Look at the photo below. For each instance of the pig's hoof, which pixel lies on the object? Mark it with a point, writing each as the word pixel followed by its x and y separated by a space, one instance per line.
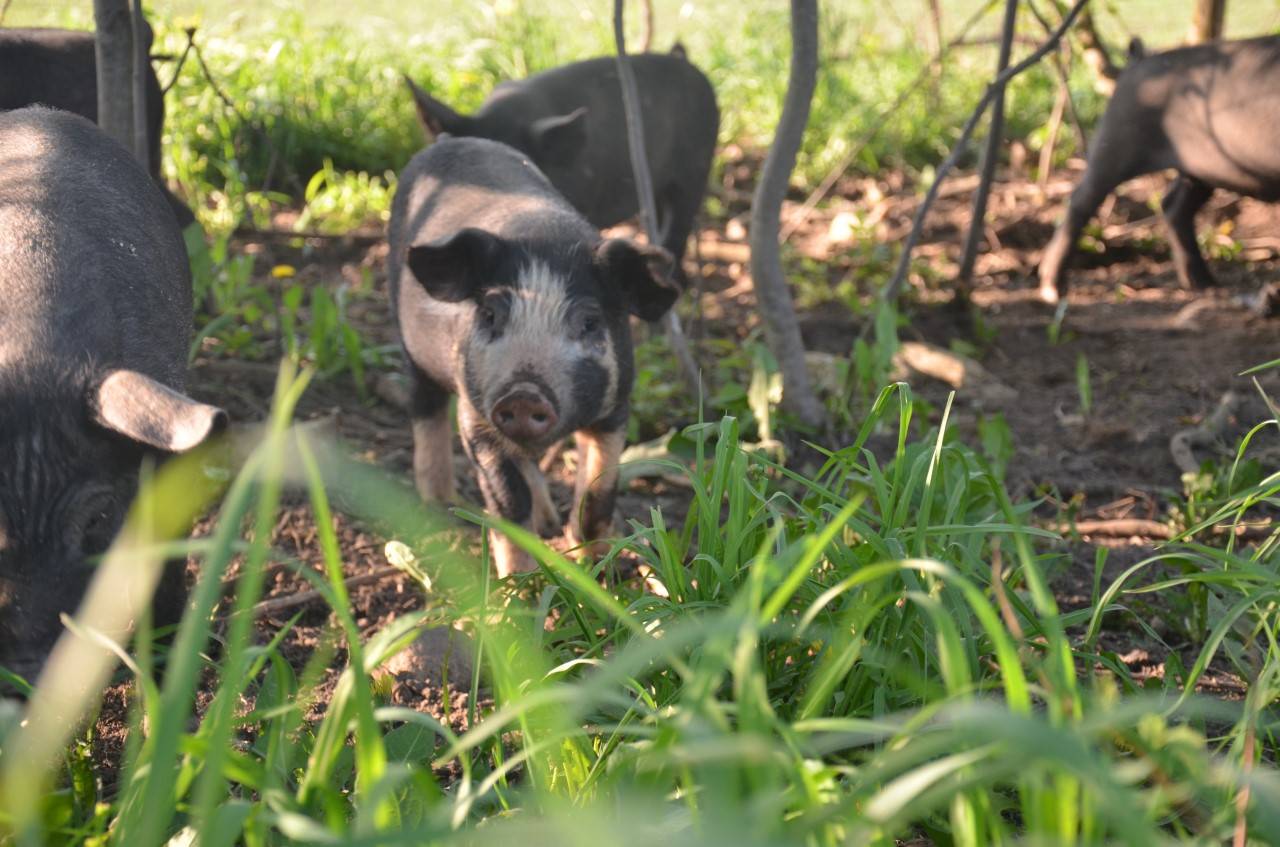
pixel 1048 293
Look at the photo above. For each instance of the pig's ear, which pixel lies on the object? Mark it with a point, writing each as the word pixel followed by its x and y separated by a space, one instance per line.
pixel 436 118
pixel 136 406
pixel 456 269
pixel 559 139
pixel 643 272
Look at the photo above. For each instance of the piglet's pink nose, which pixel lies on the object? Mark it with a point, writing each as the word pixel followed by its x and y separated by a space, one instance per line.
pixel 524 416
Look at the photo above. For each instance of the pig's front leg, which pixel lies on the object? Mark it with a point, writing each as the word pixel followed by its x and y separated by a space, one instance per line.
pixel 432 439
pixel 502 482
pixel 597 486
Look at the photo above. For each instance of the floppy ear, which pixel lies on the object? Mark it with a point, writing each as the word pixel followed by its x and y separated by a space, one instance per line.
pixel 643 273
pixel 456 269
pixel 559 139
pixel 149 412
pixel 436 118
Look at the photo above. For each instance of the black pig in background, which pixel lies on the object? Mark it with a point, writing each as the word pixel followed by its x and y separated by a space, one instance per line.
pixel 570 122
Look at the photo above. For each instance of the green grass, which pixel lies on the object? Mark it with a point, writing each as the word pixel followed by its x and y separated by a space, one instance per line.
pixel 859 653
pixel 866 653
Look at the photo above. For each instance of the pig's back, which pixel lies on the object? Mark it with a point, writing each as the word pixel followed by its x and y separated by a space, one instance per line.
pixel 1223 111
pixel 52 67
pixel 93 272
pixel 680 117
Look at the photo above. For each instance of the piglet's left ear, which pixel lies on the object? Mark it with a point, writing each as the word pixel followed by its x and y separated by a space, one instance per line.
pixel 136 406
pixel 643 273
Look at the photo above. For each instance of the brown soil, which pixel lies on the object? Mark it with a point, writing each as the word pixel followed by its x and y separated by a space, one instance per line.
pixel 1159 359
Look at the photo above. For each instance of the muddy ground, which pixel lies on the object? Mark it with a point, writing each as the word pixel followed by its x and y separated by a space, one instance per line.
pixel 1159 358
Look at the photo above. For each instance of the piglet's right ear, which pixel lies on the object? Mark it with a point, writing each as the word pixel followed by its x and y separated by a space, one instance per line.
pixel 136 406
pixel 456 269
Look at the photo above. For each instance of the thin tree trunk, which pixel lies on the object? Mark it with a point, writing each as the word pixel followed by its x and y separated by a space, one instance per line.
pixel 141 64
pixel 782 330
pixel 1206 20
pixel 644 191
pixel 991 155
pixel 113 47
pixel 646 34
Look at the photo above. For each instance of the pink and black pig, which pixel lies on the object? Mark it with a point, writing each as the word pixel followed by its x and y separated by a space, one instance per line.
pixel 508 298
pixel 95 329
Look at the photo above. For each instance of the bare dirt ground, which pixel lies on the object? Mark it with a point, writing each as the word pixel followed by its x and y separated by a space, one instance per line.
pixel 1159 359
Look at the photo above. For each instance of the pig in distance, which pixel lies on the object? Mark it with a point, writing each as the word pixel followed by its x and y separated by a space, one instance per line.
pixel 570 122
pixel 508 298
pixel 1209 112
pixel 58 68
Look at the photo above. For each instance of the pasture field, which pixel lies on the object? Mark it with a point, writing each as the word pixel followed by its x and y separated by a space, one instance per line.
pixel 982 609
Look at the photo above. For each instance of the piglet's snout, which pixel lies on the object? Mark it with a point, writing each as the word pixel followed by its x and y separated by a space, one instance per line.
pixel 524 415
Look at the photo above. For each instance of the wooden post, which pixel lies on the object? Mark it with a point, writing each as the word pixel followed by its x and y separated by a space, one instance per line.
pixel 115 58
pixel 141 35
pixel 1207 19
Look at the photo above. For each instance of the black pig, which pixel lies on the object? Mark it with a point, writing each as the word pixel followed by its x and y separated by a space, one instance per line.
pixel 58 68
pixel 508 298
pixel 94 334
pixel 1209 112
pixel 570 122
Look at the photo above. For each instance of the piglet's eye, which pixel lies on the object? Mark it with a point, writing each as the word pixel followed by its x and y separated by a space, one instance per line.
pixel 486 316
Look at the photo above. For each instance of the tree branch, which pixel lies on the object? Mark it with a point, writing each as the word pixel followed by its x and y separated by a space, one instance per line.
pixel 893 290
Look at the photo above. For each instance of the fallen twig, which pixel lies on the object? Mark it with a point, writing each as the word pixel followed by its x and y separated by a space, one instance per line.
pixel 302 598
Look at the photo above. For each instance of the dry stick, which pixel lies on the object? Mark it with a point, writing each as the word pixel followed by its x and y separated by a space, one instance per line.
pixel 893 290
pixel 1051 139
pixel 801 215
pixel 1064 87
pixel 302 598
pixel 644 192
pixel 1241 835
pixel 990 156
pixel 773 296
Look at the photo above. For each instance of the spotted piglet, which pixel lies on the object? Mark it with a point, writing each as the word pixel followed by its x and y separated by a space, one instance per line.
pixel 508 298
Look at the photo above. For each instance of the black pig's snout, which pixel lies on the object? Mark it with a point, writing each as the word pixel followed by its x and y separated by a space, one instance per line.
pixel 524 415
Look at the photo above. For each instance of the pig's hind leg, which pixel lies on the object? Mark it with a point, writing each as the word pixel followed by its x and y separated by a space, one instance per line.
pixel 1186 197
pixel 432 438
pixel 597 486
